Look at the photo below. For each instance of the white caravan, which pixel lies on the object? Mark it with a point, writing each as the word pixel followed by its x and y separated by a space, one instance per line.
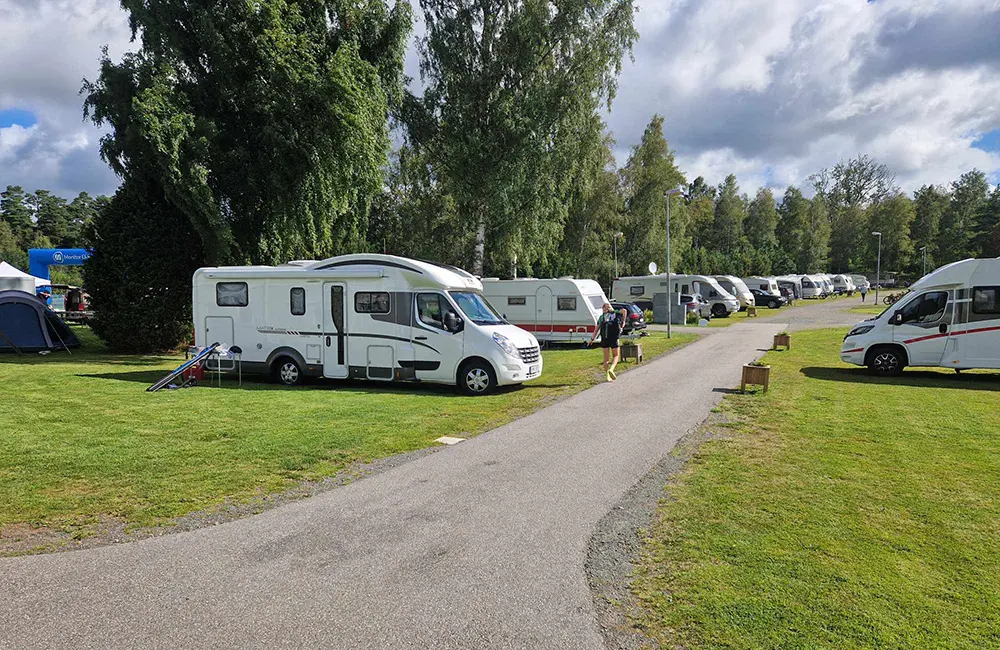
pixel 563 309
pixel 737 288
pixel 767 285
pixel 793 282
pixel 813 287
pixel 376 317
pixel 641 289
pixel 843 284
pixel 950 318
pixel 861 281
pixel 827 283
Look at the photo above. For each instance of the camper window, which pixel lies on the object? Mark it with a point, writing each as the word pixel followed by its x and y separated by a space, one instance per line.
pixel 430 309
pixel 984 300
pixel 928 308
pixel 515 300
pixel 297 301
pixel 597 302
pixel 366 302
pixel 566 303
pixel 636 291
pixel 232 294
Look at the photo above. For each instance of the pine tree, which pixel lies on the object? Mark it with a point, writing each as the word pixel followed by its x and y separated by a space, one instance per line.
pixel 730 212
pixel 792 225
pixel 990 225
pixel 929 205
pixel 762 221
pixel 14 210
pixel 815 252
pixel 960 220
pixel 51 217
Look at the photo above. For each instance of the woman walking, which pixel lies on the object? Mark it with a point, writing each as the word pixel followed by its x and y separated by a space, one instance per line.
pixel 609 326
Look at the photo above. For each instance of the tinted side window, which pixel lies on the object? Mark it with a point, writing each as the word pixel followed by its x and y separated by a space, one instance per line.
pixel 376 302
pixel 516 300
pixel 297 301
pixel 928 308
pixel 984 300
pixel 430 310
pixel 232 294
pixel 566 303
pixel 636 291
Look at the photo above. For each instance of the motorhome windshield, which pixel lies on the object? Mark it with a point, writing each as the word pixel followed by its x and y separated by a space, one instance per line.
pixel 476 309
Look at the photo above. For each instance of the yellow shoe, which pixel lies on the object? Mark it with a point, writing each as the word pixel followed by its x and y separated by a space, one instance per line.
pixel 608 376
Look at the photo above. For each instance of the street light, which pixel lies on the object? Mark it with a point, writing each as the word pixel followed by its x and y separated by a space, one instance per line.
pixel 923 249
pixel 616 236
pixel 878 265
pixel 668 194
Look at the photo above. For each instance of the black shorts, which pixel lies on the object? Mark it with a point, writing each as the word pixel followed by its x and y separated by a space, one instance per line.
pixel 610 343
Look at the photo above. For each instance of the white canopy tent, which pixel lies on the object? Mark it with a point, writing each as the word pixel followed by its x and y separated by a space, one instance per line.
pixel 12 278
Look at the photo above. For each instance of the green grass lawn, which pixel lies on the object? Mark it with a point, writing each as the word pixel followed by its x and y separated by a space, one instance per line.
pixel 842 511
pixel 868 309
pixel 81 439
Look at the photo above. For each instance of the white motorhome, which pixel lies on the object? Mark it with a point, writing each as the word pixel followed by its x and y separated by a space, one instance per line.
pixel 950 318
pixel 737 288
pixel 767 285
pixel 861 281
pixel 377 317
pixel 561 309
pixel 640 290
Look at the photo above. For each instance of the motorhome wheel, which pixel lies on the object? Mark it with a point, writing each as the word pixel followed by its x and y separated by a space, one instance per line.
pixel 719 310
pixel 288 372
pixel 477 378
pixel 886 361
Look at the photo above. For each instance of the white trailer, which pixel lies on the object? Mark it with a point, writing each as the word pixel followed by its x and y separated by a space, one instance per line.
pixel 843 283
pixel 813 286
pixel 376 317
pixel 641 289
pixel 861 281
pixel 558 309
pixel 793 282
pixel 767 285
pixel 737 288
pixel 950 319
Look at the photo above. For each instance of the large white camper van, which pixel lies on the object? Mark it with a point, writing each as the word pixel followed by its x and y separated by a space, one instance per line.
pixel 562 309
pixel 950 318
pixel 767 285
pixel 375 317
pixel 737 288
pixel 641 289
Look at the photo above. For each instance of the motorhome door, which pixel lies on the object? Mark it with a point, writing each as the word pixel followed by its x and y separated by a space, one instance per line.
pixel 923 327
pixel 335 330
pixel 543 310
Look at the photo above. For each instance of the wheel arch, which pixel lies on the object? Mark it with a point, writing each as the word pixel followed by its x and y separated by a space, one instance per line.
pixel 898 347
pixel 286 351
pixel 467 360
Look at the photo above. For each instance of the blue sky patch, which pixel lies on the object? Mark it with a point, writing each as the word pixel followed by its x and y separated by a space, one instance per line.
pixel 989 141
pixel 11 116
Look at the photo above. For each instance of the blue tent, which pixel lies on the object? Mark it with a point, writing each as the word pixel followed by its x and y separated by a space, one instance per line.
pixel 29 325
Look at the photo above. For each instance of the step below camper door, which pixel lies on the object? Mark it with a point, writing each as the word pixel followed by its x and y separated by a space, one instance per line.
pixel 334 330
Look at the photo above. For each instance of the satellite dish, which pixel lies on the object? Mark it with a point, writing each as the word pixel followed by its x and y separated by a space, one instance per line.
pixel 652 268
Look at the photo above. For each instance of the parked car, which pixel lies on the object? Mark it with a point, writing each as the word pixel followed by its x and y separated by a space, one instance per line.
pixel 766 299
pixel 787 293
pixel 636 320
pixel 695 304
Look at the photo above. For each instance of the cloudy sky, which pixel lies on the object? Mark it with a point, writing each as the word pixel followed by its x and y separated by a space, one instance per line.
pixel 771 90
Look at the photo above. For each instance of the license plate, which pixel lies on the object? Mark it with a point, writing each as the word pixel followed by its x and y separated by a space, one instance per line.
pixel 533 370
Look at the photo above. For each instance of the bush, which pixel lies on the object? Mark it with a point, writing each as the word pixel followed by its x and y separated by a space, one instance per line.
pixel 139 276
pixel 693 318
pixel 648 315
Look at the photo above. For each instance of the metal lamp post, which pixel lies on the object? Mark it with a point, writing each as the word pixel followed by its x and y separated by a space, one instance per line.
pixel 923 249
pixel 878 265
pixel 668 194
pixel 616 236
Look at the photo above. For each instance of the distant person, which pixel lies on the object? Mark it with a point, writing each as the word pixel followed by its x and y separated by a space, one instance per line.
pixel 864 292
pixel 609 326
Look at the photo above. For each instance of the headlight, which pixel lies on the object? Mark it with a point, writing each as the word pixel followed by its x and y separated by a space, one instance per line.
pixel 505 344
pixel 859 330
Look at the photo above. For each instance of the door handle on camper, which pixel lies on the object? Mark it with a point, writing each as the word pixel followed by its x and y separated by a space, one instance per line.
pixel 943 328
pixel 328 341
pixel 419 338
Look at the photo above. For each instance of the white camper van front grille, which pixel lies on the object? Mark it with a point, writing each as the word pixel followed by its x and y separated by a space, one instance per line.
pixel 529 355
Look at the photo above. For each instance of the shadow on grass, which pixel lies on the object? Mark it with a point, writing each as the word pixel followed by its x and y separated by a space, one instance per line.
pixel 915 378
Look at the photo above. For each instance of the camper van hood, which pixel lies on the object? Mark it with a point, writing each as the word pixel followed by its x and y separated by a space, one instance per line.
pixel 516 335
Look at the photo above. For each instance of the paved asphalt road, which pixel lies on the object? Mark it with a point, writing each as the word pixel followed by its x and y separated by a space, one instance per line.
pixel 480 545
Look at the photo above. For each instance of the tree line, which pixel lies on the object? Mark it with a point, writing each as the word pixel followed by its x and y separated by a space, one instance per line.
pixel 261 132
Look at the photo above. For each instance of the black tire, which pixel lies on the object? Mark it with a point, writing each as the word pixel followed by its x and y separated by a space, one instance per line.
pixel 476 377
pixel 773 304
pixel 288 372
pixel 719 310
pixel 886 361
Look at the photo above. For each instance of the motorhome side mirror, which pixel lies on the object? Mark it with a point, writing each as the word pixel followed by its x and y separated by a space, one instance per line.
pixel 897 318
pixel 452 322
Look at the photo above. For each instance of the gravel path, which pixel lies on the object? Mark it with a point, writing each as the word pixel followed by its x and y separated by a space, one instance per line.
pixel 481 545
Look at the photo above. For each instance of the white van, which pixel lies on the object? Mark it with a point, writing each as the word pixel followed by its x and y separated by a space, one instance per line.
pixel 376 317
pixel 641 289
pixel 562 309
pixel 767 285
pixel 950 319
pixel 737 288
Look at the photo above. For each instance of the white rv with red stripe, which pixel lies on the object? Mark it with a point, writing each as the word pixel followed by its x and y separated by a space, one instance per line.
pixel 558 309
pixel 949 319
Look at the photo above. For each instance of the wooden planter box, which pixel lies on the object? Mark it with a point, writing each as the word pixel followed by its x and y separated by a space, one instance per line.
pixel 784 340
pixel 755 376
pixel 633 350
